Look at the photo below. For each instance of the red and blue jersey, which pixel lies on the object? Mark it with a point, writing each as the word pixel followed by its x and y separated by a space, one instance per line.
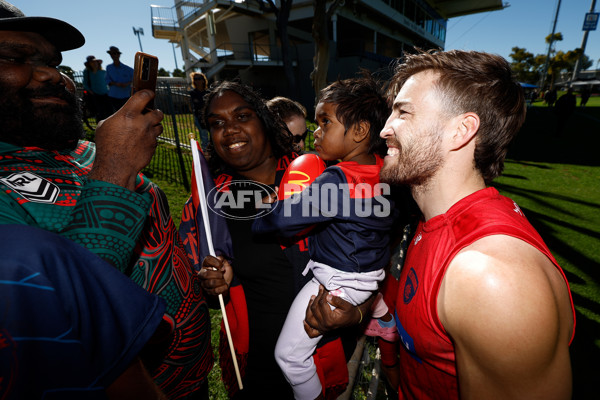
pixel 351 213
pixel 427 358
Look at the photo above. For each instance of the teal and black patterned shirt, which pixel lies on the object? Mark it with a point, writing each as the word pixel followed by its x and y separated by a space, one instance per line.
pixel 131 230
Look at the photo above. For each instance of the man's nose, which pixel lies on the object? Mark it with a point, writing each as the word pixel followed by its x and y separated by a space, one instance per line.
pixel 45 73
pixel 386 132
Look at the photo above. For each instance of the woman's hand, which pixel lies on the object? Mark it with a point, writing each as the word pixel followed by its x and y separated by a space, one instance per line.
pixel 216 275
pixel 320 318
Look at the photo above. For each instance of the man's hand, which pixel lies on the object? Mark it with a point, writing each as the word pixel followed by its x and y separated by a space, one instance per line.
pixel 126 141
pixel 216 275
pixel 320 318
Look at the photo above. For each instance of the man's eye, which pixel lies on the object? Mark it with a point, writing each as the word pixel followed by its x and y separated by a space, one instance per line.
pixel 34 61
pixel 243 117
pixel 13 60
pixel 215 123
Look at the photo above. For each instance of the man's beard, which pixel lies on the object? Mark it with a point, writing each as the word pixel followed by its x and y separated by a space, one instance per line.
pixel 416 162
pixel 48 126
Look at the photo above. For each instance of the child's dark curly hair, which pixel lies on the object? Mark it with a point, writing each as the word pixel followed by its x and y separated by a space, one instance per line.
pixel 360 99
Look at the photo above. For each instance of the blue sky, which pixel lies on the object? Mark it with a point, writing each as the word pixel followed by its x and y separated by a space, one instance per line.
pixel 525 24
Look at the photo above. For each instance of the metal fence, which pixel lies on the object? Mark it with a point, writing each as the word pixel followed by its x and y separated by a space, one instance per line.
pixel 172 160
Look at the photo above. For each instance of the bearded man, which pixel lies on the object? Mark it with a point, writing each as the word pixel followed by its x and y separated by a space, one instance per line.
pixel 483 309
pixel 94 194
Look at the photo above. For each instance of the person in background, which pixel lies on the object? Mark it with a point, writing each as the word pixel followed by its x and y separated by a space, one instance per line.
pixel 118 78
pixel 199 90
pixel 550 97
pixel 564 108
pixel 585 95
pixel 94 82
pixel 484 310
pixel 94 194
pixel 294 116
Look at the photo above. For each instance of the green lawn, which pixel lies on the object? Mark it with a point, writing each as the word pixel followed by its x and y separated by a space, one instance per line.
pixel 555 180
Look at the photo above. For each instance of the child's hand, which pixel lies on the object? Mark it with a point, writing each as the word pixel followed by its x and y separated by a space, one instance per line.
pixel 271 197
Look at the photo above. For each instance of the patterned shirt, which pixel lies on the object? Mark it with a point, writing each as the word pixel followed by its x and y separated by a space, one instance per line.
pixel 131 230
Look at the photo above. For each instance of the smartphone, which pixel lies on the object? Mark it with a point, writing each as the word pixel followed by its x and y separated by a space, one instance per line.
pixel 145 71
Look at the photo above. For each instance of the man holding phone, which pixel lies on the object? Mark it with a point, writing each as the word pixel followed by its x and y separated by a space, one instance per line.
pixel 118 78
pixel 94 194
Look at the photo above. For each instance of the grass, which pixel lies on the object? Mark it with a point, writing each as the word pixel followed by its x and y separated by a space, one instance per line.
pixel 555 180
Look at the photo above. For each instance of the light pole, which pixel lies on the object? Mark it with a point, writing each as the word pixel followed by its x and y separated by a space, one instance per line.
pixel 138 32
pixel 174 56
pixel 545 71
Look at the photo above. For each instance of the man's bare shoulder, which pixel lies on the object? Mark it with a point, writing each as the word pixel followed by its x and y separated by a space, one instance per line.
pixel 502 274
pixel 507 308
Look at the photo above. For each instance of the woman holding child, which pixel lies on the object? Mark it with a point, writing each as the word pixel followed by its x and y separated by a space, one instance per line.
pixel 250 149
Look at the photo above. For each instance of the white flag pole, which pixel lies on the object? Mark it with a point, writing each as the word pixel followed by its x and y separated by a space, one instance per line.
pixel 211 249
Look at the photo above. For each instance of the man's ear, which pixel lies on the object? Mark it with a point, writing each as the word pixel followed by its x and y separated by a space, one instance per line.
pixel 467 125
pixel 361 131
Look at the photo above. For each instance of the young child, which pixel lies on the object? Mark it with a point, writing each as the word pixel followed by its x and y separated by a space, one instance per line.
pixel 351 220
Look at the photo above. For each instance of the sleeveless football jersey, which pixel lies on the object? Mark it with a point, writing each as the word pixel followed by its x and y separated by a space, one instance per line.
pixel 427 359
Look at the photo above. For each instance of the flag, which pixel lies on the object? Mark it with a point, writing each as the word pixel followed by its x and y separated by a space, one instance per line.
pixel 204 232
pixel 191 228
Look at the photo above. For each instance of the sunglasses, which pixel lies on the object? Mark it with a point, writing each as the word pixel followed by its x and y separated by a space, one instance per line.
pixel 301 138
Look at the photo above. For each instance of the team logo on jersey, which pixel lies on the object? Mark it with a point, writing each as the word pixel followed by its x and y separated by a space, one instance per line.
pixel 418 238
pixel 411 285
pixel 517 209
pixel 32 187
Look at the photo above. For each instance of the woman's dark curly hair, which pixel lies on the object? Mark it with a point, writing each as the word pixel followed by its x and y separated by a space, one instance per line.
pixel 275 129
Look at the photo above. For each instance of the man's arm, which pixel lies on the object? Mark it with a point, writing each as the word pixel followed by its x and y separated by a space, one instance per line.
pixel 508 311
pixel 109 208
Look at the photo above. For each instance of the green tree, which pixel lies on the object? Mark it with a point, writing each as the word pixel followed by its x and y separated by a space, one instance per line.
pixel 177 73
pixel 320 33
pixel 529 68
pixel 163 72
pixel 524 65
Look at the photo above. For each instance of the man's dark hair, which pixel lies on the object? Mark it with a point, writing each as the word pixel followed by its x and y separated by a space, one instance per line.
pixel 275 129
pixel 471 81
pixel 360 99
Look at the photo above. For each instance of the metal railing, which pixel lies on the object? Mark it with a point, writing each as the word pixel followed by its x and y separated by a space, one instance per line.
pixel 167 16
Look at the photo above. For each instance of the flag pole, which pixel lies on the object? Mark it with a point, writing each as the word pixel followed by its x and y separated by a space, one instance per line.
pixel 207 231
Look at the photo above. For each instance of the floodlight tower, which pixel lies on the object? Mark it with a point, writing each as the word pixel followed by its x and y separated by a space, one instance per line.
pixel 138 32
